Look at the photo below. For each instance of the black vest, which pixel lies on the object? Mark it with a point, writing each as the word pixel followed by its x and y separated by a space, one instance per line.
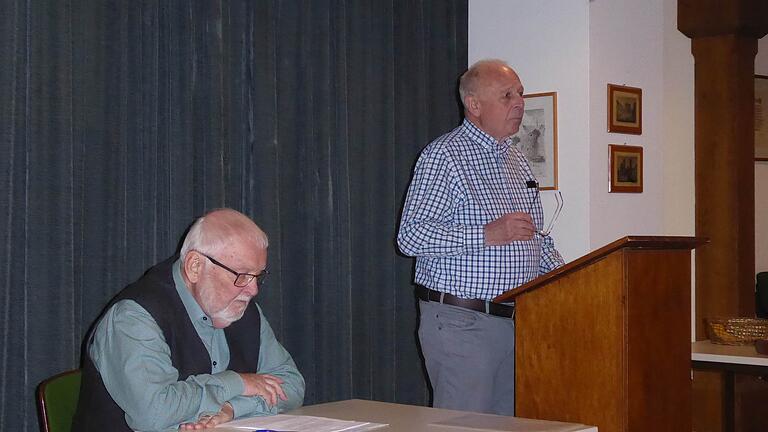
pixel 156 292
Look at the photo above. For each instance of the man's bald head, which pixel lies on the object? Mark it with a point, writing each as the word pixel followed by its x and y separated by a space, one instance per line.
pixel 218 228
pixel 472 81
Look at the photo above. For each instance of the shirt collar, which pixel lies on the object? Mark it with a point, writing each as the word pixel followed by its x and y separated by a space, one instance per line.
pixel 481 137
pixel 194 310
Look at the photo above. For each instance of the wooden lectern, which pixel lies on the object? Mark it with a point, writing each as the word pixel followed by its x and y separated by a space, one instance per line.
pixel 606 340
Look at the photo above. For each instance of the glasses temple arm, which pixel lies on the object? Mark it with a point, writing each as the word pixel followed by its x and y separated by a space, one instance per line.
pixel 559 199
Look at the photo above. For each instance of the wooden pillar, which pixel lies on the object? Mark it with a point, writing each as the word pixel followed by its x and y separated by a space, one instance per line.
pixel 724 37
pixel 725 176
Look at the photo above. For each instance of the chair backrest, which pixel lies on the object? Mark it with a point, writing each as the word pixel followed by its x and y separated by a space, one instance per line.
pixel 57 401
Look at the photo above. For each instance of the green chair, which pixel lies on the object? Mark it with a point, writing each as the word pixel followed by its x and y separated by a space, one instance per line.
pixel 57 401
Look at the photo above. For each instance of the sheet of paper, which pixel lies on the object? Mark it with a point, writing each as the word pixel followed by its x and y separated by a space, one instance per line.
pixel 296 423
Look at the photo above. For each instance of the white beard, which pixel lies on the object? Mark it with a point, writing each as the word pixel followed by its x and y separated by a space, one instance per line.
pixel 231 312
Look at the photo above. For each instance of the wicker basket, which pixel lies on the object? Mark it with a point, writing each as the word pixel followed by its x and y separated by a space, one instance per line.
pixel 736 331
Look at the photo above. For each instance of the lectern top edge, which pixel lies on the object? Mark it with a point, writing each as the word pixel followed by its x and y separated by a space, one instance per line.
pixel 628 242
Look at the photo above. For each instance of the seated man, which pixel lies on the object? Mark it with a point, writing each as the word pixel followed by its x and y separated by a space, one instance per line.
pixel 184 347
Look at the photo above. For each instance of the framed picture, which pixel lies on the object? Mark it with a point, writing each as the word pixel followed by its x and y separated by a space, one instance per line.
pixel 761 118
pixel 537 137
pixel 625 109
pixel 626 168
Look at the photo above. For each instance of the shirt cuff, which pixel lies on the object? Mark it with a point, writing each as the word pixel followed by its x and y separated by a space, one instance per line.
pixel 474 238
pixel 251 406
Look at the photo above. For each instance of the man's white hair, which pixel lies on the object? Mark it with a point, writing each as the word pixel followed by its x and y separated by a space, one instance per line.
pixel 470 81
pixel 213 231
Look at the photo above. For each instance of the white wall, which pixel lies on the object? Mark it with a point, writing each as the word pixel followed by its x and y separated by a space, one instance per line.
pixel 679 182
pixel 625 45
pixel 546 42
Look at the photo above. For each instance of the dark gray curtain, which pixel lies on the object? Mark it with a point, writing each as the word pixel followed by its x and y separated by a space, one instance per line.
pixel 122 121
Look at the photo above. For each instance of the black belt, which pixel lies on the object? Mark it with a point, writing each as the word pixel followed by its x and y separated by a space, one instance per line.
pixel 497 309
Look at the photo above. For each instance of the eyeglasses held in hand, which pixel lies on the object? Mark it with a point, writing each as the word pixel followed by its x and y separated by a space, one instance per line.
pixel 547 229
pixel 559 198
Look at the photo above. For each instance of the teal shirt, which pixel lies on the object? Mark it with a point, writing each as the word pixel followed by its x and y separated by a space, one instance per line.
pixel 134 362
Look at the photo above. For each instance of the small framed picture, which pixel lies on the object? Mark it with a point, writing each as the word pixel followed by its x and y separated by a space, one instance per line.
pixel 761 118
pixel 626 168
pixel 537 137
pixel 625 109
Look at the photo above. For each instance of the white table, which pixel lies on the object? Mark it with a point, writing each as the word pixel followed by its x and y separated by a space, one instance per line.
pixel 412 418
pixel 706 351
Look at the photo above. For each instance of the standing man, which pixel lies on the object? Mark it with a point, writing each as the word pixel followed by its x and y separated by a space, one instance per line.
pixel 470 220
pixel 184 347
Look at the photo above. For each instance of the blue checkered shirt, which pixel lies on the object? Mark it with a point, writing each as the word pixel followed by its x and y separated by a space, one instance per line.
pixel 463 180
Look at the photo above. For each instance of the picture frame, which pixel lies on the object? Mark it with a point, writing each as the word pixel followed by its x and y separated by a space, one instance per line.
pixel 761 118
pixel 626 168
pixel 625 109
pixel 537 137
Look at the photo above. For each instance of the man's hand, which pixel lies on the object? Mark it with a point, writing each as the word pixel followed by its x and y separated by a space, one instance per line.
pixel 226 414
pixel 508 228
pixel 267 386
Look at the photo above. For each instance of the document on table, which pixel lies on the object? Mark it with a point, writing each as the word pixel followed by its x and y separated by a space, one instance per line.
pixel 299 423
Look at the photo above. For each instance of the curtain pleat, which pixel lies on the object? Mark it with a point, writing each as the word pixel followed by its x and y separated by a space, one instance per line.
pixel 121 121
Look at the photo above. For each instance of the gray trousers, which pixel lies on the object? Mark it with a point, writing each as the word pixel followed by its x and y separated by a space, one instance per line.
pixel 470 358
